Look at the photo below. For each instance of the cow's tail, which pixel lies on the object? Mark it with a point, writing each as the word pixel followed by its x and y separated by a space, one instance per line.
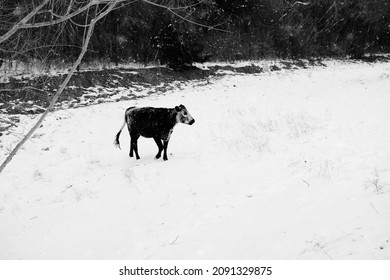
pixel 116 141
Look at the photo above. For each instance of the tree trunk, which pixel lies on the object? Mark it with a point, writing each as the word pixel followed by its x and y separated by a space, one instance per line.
pixel 61 88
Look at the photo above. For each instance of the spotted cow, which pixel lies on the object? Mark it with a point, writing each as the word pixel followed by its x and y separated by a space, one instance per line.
pixel 156 123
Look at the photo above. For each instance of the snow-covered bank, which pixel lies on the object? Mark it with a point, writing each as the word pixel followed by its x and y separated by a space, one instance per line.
pixel 283 165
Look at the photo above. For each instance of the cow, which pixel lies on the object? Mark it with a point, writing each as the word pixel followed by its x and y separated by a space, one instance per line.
pixel 156 123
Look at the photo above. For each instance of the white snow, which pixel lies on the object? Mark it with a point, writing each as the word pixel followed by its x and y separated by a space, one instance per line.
pixel 282 165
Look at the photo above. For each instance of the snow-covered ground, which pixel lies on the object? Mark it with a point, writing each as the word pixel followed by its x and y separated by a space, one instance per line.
pixel 282 165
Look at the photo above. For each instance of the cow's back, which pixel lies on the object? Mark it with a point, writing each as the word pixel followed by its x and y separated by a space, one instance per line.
pixel 151 122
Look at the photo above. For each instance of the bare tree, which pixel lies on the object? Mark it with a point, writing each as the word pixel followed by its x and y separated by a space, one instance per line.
pixel 25 23
pixel 37 14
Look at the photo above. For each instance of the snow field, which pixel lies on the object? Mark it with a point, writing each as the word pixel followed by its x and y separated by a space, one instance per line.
pixel 283 165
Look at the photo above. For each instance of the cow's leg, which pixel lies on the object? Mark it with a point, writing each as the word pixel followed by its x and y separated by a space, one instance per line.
pixel 133 136
pixel 136 149
pixel 160 147
pixel 131 147
pixel 165 157
pixel 134 145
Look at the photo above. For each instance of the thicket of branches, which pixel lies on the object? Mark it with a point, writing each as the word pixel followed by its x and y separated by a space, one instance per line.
pixel 180 32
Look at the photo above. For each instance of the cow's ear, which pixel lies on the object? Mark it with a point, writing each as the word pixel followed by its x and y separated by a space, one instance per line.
pixel 177 108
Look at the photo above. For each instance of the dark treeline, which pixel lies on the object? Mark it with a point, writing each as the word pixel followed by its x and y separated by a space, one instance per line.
pixel 212 30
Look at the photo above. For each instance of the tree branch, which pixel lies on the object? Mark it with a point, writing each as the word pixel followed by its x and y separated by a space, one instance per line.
pixel 22 22
pixel 292 6
pixel 171 9
pixel 62 87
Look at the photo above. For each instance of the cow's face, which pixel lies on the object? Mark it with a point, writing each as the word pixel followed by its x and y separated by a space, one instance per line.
pixel 183 115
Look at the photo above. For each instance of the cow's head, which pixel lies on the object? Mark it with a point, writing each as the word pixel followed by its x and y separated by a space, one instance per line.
pixel 183 115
